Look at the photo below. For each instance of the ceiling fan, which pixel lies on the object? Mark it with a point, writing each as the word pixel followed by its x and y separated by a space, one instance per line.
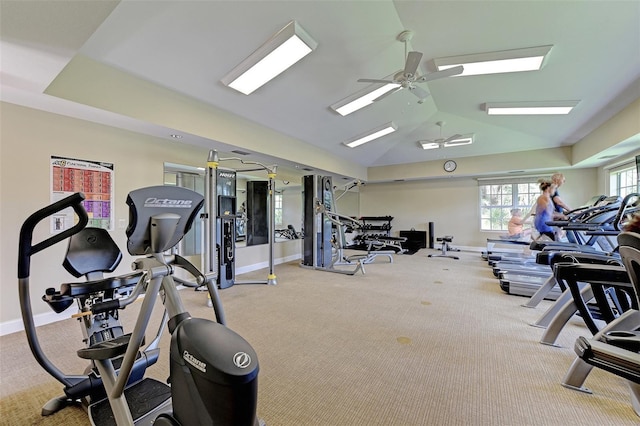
pixel 407 77
pixel 441 142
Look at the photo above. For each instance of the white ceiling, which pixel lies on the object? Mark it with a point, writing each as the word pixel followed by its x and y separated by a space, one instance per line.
pixel 188 46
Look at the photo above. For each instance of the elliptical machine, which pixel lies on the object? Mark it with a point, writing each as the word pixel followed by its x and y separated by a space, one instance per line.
pixel 213 371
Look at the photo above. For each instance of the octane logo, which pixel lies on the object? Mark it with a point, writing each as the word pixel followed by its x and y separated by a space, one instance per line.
pixel 202 366
pixel 241 360
pixel 167 202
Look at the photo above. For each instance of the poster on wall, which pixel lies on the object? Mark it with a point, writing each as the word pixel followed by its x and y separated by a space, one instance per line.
pixel 94 179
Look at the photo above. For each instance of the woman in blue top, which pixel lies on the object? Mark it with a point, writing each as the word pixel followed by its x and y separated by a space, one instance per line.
pixel 544 210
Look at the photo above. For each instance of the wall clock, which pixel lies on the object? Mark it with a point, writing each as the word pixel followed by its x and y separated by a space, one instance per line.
pixel 450 166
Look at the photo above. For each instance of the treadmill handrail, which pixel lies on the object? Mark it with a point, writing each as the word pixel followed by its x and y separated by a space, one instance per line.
pixel 599 276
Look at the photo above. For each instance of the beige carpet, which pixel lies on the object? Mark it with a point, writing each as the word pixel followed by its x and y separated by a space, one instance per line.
pixel 422 341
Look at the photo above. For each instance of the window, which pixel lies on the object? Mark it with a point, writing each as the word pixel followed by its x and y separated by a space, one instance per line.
pixel 623 181
pixel 277 201
pixel 499 197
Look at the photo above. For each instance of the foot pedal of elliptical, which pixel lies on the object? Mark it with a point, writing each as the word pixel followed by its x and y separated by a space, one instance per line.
pixel 148 397
pixel 107 349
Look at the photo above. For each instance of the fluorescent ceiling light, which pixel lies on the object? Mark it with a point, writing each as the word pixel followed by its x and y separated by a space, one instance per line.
pixel 464 140
pixel 530 108
pixel 376 133
pixel 529 59
pixel 363 98
pixel 284 49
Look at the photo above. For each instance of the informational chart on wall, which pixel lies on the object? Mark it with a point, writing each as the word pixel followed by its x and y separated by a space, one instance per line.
pixel 94 179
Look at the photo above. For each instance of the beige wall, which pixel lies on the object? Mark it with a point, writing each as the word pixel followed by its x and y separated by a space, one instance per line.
pixel 28 138
pixel 453 204
pixel 348 204
pixel 621 127
pixel 485 165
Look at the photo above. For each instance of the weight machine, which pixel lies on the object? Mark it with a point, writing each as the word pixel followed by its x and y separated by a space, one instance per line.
pixel 220 214
pixel 324 240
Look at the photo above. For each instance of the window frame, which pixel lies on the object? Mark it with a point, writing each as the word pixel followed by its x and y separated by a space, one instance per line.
pixel 503 195
pixel 278 209
pixel 623 180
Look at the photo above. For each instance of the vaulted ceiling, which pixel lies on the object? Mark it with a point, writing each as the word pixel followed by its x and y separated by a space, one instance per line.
pixel 187 47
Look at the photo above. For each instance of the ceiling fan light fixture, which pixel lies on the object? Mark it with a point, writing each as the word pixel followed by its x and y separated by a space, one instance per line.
pixel 429 145
pixel 530 108
pixel 442 142
pixel 280 52
pixel 362 98
pixel 405 78
pixel 376 133
pixel 515 60
pixel 464 140
pixel 446 143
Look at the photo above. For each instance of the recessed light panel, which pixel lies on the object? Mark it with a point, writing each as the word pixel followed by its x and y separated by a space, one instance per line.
pixel 371 135
pixel 362 98
pixel 516 60
pixel 530 108
pixel 284 49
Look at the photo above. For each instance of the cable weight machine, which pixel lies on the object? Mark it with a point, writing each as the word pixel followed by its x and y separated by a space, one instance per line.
pixel 220 215
pixel 323 244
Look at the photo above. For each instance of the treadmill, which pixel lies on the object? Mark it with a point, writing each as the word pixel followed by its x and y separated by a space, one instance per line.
pixel 598 229
pixel 512 254
pixel 616 348
pixel 587 225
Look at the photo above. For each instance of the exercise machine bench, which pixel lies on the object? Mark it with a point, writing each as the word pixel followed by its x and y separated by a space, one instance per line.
pixel 445 248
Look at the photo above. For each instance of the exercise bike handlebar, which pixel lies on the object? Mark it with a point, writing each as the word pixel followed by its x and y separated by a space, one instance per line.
pixel 26 250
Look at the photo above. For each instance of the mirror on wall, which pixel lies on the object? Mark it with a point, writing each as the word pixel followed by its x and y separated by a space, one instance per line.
pixel 190 178
pixel 287 200
pixel 252 197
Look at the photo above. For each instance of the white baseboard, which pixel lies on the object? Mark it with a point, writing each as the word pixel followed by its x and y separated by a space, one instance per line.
pixel 262 265
pixel 14 326
pixel 470 248
pixel 463 248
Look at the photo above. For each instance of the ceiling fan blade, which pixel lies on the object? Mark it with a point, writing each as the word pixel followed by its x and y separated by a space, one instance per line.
pixel 441 74
pixel 373 80
pixel 452 138
pixel 419 92
pixel 412 63
pixel 390 92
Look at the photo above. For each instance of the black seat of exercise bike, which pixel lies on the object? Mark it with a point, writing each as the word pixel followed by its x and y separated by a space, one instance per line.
pixel 85 288
pixel 91 250
pixel 61 300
